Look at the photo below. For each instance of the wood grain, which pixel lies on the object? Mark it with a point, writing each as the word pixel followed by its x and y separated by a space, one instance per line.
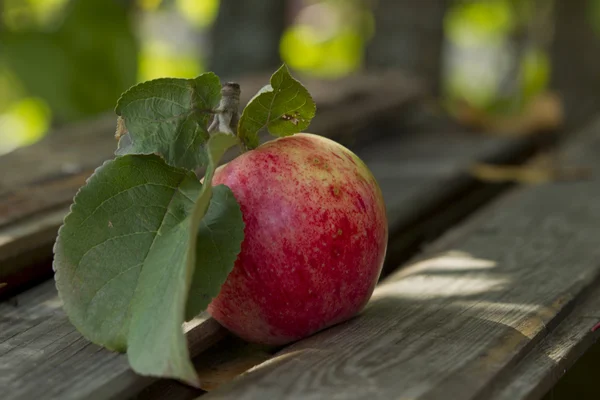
pixel 541 369
pixel 36 187
pixel 465 313
pixel 43 356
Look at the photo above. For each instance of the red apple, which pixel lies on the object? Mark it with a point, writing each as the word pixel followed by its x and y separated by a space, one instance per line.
pixel 315 239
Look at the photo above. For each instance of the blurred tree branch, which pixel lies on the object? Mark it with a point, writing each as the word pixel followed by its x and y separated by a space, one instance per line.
pixel 246 35
pixel 576 60
pixel 409 35
pixel 2 11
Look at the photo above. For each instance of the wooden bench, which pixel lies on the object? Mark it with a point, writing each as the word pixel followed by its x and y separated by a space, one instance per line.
pixel 497 308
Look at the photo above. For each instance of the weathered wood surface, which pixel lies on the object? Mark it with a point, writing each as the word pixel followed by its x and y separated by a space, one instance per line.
pixel 37 183
pixel 462 316
pixel 417 173
pixel 537 373
pixel 43 356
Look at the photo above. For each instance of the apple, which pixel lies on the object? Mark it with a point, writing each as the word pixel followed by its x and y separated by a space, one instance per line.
pixel 315 239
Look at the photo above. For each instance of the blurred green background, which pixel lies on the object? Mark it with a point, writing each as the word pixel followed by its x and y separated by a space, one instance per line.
pixel 65 60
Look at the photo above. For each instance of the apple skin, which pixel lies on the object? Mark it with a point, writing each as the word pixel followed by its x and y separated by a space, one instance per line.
pixel 315 239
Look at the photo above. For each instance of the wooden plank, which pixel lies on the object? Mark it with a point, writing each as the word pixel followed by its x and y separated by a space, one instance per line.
pixel 416 173
pixel 43 356
pixel 38 182
pixel 542 368
pixel 216 366
pixel 463 314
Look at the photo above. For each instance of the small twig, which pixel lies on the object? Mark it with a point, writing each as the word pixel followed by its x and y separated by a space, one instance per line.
pixel 227 114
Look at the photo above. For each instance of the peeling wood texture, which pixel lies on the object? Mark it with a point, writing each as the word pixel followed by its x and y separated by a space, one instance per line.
pixel 500 292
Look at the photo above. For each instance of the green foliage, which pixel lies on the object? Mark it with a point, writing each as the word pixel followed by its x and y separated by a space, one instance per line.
pixel 478 22
pixel 23 122
pixel 91 50
pixel 594 15
pixel 169 117
pixel 329 37
pixel 218 243
pixel 284 107
pixel 200 13
pixel 486 29
pixel 535 70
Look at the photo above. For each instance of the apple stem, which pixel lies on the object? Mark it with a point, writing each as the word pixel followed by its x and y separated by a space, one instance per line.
pixel 227 114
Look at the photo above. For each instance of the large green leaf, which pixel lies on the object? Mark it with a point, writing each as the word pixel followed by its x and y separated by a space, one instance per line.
pixel 284 107
pixel 170 117
pixel 218 244
pixel 220 232
pixel 127 253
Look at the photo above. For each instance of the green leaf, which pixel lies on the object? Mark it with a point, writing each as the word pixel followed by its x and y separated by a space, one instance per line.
pixel 127 253
pixel 170 117
pixel 284 107
pixel 219 238
pixel 216 266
